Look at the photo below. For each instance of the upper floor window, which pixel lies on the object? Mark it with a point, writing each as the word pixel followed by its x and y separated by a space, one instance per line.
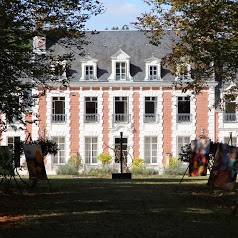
pixel 150 110
pixel 230 112
pixel 153 69
pixel 183 109
pixel 89 69
pixel 121 110
pixel 58 110
pixel 120 66
pixel 91 110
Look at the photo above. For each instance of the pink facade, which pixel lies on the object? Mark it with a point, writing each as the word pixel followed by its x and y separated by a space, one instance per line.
pixel 120 86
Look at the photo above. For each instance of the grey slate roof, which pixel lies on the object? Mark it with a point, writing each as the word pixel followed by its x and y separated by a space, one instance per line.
pixel 106 43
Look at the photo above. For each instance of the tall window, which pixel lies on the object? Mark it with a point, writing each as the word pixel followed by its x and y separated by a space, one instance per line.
pixel 59 158
pixel 91 150
pixel 118 150
pixel 183 114
pixel 150 109
pixel 121 109
pixel 153 72
pixel 120 70
pixel 151 151
pixel 91 109
pixel 14 149
pixel 58 109
pixel 89 72
pixel 230 112
pixel 181 141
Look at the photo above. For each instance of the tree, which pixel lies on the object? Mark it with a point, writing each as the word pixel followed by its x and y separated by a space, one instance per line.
pixel 205 35
pixel 21 69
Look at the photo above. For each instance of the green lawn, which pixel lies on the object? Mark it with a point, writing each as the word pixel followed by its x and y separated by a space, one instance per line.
pixel 149 207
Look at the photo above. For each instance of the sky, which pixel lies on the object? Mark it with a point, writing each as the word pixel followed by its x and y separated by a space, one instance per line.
pixel 117 14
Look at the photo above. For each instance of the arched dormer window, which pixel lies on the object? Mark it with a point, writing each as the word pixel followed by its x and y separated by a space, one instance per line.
pixel 120 66
pixel 153 69
pixel 89 69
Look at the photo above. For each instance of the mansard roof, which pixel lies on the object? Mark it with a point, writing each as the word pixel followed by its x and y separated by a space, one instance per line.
pixel 106 44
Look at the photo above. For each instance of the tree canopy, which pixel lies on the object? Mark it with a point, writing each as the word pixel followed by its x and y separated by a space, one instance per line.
pixel 21 68
pixel 206 38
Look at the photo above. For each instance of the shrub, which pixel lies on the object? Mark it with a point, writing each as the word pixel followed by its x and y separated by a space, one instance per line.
pixel 98 172
pixel 67 169
pixel 75 160
pixel 144 171
pixel 175 167
pixel 105 158
pixel 138 163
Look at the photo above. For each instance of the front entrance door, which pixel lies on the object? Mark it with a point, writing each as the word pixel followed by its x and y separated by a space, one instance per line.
pixel 117 150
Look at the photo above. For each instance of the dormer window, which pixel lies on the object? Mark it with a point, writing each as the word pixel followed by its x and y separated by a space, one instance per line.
pixel 183 72
pixel 59 69
pixel 120 66
pixel 153 72
pixel 89 69
pixel 89 72
pixel 153 69
pixel 120 70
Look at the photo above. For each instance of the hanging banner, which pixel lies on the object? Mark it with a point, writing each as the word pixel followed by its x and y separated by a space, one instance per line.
pixel 6 166
pixel 225 167
pixel 35 161
pixel 199 157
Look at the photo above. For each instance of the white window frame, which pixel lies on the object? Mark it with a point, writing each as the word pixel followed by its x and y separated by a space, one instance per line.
pixel 61 153
pixel 183 117
pixel 90 153
pixel 121 117
pixel 11 145
pixel 150 117
pixel 120 57
pixel 62 63
pixel 89 63
pixel 55 117
pixel 185 140
pixel 153 153
pixel 121 67
pixel 183 72
pixel 153 62
pixel 91 117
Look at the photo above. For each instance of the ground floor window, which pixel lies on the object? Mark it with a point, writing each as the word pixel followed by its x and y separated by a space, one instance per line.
pixel 181 141
pixel 151 150
pixel 14 149
pixel 59 158
pixel 91 150
pixel 118 150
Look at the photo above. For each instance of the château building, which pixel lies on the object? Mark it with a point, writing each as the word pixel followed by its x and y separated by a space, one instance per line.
pixel 120 86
